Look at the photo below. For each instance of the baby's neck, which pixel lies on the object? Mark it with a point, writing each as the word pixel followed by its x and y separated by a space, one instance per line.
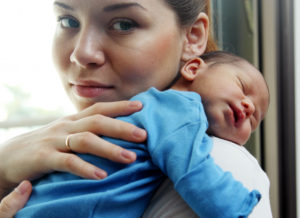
pixel 181 85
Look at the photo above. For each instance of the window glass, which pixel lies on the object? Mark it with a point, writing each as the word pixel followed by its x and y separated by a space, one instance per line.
pixel 30 88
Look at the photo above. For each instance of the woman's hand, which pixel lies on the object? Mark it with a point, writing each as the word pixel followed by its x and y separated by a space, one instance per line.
pixel 16 200
pixel 44 150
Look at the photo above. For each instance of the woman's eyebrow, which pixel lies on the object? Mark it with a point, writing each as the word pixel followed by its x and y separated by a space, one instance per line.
pixel 62 5
pixel 122 6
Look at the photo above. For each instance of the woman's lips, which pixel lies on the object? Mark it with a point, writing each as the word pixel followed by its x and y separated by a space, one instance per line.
pixel 90 91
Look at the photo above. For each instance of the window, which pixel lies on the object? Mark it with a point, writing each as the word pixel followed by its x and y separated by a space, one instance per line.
pixel 30 89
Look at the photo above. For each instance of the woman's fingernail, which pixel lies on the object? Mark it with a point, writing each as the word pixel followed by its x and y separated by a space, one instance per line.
pixel 139 133
pixel 135 104
pixel 100 174
pixel 22 188
pixel 128 155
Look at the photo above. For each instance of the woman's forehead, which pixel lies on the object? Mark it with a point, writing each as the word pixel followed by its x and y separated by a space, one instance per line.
pixel 102 9
pixel 110 5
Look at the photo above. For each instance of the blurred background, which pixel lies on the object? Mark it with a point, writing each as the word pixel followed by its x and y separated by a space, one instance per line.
pixel 266 33
pixel 30 89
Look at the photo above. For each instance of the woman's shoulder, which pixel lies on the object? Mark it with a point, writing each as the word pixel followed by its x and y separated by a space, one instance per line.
pixel 245 168
pixel 234 158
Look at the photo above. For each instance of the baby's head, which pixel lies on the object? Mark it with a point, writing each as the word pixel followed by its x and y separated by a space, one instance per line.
pixel 234 94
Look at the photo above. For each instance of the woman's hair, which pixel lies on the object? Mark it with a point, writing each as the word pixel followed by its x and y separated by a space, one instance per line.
pixel 187 12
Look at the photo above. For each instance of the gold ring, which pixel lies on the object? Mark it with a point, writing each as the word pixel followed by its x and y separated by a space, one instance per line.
pixel 67 143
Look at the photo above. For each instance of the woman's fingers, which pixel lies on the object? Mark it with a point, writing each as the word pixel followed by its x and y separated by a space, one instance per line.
pixel 110 127
pixel 68 162
pixel 97 119
pixel 16 200
pixel 44 150
pixel 86 142
pixel 110 109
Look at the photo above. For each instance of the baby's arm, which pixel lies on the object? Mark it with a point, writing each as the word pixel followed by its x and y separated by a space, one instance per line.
pixel 180 147
pixel 230 157
pixel 208 190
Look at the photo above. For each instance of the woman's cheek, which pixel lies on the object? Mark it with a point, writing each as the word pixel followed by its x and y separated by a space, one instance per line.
pixel 167 46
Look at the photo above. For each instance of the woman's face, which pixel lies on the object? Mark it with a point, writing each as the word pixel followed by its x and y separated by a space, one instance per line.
pixel 110 50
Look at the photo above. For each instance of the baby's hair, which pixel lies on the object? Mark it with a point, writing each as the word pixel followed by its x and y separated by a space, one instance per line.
pixel 221 57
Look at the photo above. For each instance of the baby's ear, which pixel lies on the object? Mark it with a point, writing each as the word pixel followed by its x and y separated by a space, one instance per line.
pixel 192 68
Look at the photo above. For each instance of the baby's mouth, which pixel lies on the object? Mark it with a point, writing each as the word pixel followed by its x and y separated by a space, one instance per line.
pixel 235 116
pixel 238 115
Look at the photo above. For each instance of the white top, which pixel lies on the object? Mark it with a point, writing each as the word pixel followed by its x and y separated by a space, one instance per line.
pixel 230 157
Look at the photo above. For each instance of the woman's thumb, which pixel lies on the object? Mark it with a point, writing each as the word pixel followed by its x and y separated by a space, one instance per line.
pixel 16 200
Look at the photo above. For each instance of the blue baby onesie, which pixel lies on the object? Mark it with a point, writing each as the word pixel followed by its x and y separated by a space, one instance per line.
pixel 177 146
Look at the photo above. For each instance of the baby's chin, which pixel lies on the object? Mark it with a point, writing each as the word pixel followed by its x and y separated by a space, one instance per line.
pixel 227 137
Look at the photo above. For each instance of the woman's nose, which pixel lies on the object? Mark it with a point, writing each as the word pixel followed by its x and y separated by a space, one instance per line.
pixel 88 51
pixel 248 107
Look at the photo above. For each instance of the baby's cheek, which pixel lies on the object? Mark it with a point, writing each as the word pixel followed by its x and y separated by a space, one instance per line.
pixel 214 116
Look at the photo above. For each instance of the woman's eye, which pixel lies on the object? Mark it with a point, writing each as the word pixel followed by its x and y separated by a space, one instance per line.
pixel 68 22
pixel 124 25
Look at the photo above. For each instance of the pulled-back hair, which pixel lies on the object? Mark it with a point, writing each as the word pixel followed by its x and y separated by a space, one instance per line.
pixel 187 12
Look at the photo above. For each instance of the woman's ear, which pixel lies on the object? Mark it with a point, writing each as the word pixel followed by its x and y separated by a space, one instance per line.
pixel 192 68
pixel 196 38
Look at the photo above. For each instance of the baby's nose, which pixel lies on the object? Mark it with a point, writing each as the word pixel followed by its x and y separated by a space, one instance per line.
pixel 248 107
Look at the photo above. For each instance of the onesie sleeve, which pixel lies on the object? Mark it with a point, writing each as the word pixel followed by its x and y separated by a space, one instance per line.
pixel 178 145
pixel 207 189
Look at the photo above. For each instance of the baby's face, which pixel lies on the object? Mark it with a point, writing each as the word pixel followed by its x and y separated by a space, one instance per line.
pixel 235 98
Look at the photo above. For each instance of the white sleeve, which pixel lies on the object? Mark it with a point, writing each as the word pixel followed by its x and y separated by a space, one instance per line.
pixel 245 168
pixel 230 157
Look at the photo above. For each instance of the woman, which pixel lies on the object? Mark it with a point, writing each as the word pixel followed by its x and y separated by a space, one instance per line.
pixel 106 51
